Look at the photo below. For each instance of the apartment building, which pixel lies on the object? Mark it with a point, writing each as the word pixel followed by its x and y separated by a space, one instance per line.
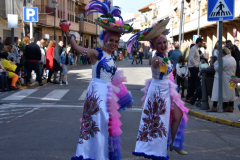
pixel 6 9
pixel 67 9
pixel 151 14
pixel 208 30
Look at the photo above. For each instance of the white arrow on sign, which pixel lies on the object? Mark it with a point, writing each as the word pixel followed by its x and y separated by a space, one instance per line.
pixel 220 10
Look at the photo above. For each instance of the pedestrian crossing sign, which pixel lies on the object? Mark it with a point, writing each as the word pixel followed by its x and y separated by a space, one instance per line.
pixel 221 10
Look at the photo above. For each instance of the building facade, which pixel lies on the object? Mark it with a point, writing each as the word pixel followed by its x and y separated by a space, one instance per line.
pixel 208 30
pixel 67 9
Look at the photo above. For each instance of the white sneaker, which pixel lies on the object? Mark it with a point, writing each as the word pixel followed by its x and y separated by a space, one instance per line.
pixel 66 82
pixel 60 83
pixel 236 97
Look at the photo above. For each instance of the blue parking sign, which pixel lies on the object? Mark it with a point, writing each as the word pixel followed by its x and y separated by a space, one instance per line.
pixel 221 10
pixel 30 14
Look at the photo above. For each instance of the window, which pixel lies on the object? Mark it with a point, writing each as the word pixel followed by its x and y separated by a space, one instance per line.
pixel 6 33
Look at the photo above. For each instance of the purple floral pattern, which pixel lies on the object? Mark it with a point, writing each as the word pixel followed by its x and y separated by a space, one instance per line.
pixel 153 127
pixel 91 107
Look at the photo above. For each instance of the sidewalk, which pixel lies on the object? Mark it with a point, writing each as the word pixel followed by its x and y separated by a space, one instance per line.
pixel 230 119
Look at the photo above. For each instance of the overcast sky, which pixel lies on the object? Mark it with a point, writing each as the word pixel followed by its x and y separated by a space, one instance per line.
pixel 131 6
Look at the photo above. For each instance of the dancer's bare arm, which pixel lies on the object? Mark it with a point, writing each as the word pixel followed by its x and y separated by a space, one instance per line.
pixel 90 53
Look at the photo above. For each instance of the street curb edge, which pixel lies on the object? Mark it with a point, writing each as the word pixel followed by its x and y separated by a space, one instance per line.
pixel 214 118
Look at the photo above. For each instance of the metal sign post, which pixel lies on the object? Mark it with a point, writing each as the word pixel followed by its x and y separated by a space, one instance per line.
pixel 220 10
pixel 220 68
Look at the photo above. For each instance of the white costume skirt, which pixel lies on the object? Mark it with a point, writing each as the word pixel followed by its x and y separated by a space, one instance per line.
pixel 154 133
pixel 99 137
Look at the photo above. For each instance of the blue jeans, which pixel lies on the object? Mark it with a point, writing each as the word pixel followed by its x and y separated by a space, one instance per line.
pixel 3 82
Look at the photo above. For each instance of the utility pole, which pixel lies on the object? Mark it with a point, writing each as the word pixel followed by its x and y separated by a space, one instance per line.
pixel 12 29
pixel 25 25
pixel 181 21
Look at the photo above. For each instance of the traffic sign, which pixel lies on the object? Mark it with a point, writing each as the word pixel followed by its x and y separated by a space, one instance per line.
pixel 195 37
pixel 30 14
pixel 221 10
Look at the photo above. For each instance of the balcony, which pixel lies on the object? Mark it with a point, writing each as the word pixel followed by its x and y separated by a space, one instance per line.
pixel 83 1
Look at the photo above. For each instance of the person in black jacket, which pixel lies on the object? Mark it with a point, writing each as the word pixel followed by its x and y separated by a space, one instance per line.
pixel 56 64
pixel 33 56
pixel 210 72
pixel 1 44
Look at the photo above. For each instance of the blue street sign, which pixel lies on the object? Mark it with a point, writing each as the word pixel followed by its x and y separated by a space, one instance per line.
pixel 30 14
pixel 221 10
pixel 195 37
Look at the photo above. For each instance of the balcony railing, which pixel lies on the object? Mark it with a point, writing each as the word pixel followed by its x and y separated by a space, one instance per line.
pixel 86 20
pixel 50 11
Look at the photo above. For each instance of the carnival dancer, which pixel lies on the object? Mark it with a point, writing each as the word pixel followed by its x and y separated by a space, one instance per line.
pixel 106 95
pixel 164 115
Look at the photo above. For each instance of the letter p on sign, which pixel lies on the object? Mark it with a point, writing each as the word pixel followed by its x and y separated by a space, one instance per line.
pixel 30 13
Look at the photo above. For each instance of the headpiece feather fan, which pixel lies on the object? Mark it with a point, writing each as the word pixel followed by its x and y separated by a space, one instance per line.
pixel 103 7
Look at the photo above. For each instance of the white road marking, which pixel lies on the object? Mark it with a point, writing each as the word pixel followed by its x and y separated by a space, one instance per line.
pixel 83 95
pixel 20 95
pixel 56 95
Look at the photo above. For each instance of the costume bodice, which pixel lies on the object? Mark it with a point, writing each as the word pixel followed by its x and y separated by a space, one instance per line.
pixel 156 74
pixel 104 68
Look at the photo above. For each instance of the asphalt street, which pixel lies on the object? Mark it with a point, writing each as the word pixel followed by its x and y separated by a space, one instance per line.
pixel 42 123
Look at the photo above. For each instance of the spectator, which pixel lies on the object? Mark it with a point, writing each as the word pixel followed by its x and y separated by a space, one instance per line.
pixel 134 56
pixel 65 59
pixel 206 54
pixel 56 64
pixel 182 73
pixel 49 59
pixel 193 64
pixel 23 60
pixel 16 51
pixel 186 50
pixel 43 58
pixel 229 68
pixel 174 56
pixel 3 78
pixel 33 56
pixel 1 44
pixel 11 55
pixel 210 72
pixel 204 63
pixel 10 69
pixel 7 44
pixel 236 55
pixel 236 43
pixel 43 69
pixel 216 48
pixel 115 55
pixel 140 55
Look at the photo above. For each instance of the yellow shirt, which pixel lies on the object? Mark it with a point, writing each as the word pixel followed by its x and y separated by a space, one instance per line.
pixel 9 67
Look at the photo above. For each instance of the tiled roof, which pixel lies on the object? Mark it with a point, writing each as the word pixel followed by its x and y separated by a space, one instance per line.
pixel 146 6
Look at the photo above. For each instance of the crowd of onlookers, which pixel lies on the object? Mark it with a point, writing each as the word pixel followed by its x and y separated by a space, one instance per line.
pixel 189 63
pixel 18 60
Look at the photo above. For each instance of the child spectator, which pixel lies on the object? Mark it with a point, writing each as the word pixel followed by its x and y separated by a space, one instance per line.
pixel 182 72
pixel 204 63
pixel 65 59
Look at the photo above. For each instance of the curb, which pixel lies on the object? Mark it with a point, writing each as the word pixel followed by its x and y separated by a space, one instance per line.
pixel 33 84
pixel 214 118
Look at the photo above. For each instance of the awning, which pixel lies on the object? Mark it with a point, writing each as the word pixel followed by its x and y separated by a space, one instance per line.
pixel 76 35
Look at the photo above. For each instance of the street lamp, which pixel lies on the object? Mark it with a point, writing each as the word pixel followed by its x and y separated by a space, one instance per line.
pixel 199 1
pixel 55 4
pixel 80 16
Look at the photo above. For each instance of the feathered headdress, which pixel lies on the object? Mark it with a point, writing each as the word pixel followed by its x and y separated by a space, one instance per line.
pixel 107 20
pixel 148 34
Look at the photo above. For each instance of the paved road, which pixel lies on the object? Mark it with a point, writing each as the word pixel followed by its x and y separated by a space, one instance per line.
pixel 37 125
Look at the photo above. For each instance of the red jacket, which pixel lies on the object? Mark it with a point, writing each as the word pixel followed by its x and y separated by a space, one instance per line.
pixel 49 58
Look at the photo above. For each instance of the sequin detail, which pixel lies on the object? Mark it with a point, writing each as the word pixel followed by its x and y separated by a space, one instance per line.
pixel 103 65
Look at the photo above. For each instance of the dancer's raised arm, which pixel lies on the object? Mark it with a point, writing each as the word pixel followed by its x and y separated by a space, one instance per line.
pixel 90 53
